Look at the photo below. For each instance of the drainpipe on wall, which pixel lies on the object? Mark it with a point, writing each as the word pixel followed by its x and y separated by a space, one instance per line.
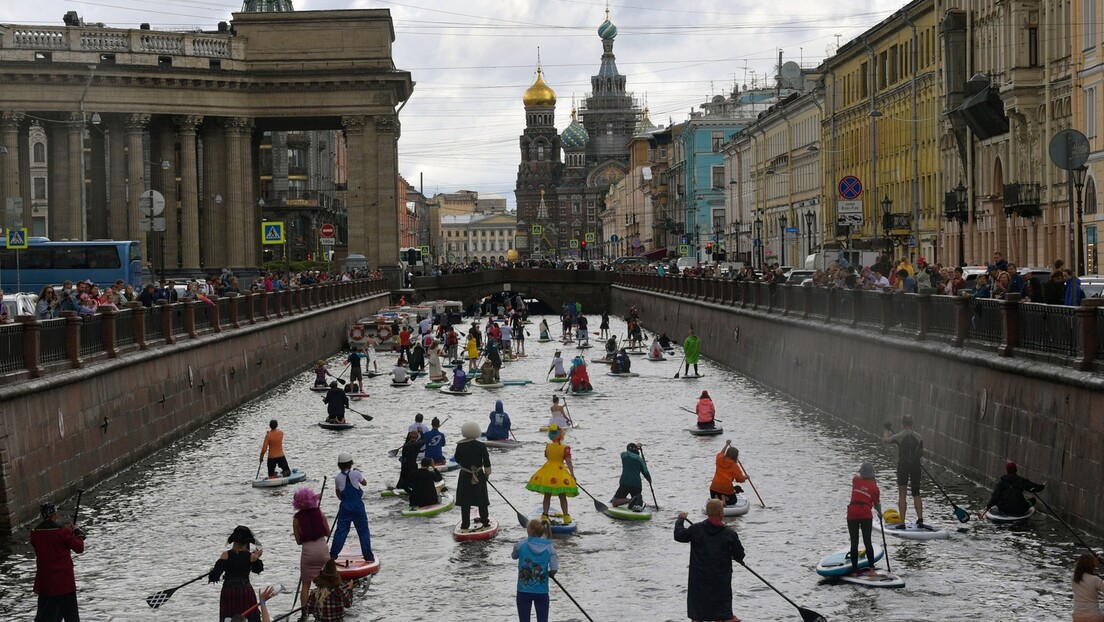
pixel 874 208
pixel 915 130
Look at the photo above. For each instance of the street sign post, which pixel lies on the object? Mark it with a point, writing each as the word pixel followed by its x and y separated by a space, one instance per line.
pixel 327 241
pixel 849 213
pixel 850 188
pixel 272 232
pixel 328 231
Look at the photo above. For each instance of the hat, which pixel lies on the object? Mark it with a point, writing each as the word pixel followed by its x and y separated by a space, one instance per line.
pixel 470 430
pixel 305 498
pixel 47 510
pixel 329 576
pixel 866 471
pixel 705 395
pixel 1010 467
pixel 921 260
pixel 554 432
pixel 343 458
pixel 241 535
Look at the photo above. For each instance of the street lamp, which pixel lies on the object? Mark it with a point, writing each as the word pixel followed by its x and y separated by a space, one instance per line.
pixel 955 209
pixel 810 224
pixel 759 239
pixel 735 243
pixel 887 205
pixel 782 236
pixel 1078 175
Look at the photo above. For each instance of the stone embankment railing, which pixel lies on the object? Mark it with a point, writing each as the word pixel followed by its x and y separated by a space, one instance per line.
pixel 30 348
pixel 1070 336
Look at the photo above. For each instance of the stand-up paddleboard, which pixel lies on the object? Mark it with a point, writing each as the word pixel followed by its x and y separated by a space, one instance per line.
pixel 623 374
pixel 448 391
pixel 373 374
pixel 657 358
pixel 706 431
pixel 399 492
pixel 450 465
pixel 636 352
pixel 624 513
pixel 741 507
pixel 545 340
pixel 435 385
pixel 558 379
pixel 580 393
pixel 446 504
pixel 357 396
pixel 507 443
pixel 401 384
pixel 516 383
pixel 877 578
pixel 692 376
pixel 475 532
pixel 351 565
pixel 320 389
pixel 491 385
pixel 556 518
pixel 325 425
pixel 994 514
pixel 271 482
pixel 583 346
pixel 603 361
pixel 839 563
pixel 911 531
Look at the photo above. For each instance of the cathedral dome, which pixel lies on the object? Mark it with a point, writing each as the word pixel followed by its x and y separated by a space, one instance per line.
pixel 607 30
pixel 540 94
pixel 575 135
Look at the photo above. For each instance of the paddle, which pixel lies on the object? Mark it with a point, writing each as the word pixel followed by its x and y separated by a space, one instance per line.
pixel 654 501
pixel 259 464
pixel 522 519
pixel 1049 509
pixel 287 615
pixel 160 598
pixel 366 417
pixel 681 363
pixel 752 484
pixel 343 370
pixel 567 415
pixel 77 531
pixel 808 615
pixel 885 547
pixel 962 515
pixel 572 598
pixel 598 505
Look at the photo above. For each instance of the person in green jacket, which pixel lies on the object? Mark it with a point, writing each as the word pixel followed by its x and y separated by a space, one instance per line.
pixel 630 487
pixel 690 349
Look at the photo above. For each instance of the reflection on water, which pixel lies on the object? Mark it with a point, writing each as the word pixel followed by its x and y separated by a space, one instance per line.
pixel 167 520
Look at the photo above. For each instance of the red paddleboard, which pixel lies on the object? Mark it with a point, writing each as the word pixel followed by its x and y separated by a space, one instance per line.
pixel 351 564
pixel 477 533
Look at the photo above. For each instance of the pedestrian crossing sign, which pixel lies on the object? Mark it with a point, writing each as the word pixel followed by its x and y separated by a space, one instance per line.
pixel 272 232
pixel 574 243
pixel 537 230
pixel 17 238
pixel 589 237
pixel 684 249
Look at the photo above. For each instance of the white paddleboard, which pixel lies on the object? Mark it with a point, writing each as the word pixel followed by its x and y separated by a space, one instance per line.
pixel 839 563
pixel 741 507
pixel 994 514
pixel 910 531
pixel 877 578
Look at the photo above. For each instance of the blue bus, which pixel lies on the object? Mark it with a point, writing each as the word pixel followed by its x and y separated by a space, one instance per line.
pixel 45 263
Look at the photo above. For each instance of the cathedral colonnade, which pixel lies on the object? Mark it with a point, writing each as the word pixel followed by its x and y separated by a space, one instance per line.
pixel 184 114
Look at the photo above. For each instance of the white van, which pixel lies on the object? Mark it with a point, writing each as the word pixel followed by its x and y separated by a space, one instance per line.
pixel 20 304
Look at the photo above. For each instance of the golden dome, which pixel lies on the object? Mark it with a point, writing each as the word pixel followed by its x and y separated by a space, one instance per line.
pixel 540 94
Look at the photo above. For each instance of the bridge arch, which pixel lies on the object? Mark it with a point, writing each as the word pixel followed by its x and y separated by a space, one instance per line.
pixel 553 287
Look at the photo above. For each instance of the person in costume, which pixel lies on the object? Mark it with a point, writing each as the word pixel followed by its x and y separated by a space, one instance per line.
pixel 233 568
pixel 349 487
pixel 473 351
pixel 690 348
pixel 557 476
pixel 422 484
pixel 865 496
pixel 630 487
pixel 1008 494
pixel 459 378
pixel 55 582
pixel 544 329
pixel 417 357
pixel 707 413
pixel 436 373
pixel 330 597
pixel 656 350
pixel 621 363
pixel 435 443
pixel 537 561
pixel 409 458
pixel 557 367
pixel 493 355
pixel 475 469
pixel 499 428
pixel 580 380
pixel 713 548
pixel 559 414
pixel 310 529
pixel 727 471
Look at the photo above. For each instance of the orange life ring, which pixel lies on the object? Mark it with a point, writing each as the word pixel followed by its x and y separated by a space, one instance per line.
pixel 383 332
pixel 356 333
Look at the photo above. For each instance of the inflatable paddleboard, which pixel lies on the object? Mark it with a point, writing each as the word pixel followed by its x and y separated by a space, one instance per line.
pixel 839 563
pixel 447 391
pixel 624 513
pixel 661 358
pixel 357 395
pixel 271 482
pixel 910 531
pixel 583 346
pixel 320 389
pixel 877 578
pixel 580 393
pixel 335 426
pixel 373 374
pixel 558 379
pixel 741 507
pixel 994 514
pixel 492 385
pixel 623 374
pixel 516 383
pixel 400 384
pixel 435 385
pixel 544 340
pixel 475 533
pixel 692 376
pixel 445 505
pixel 450 465
pixel 351 564
pixel 556 518
pixel 705 432
pixel 399 492
pixel 501 444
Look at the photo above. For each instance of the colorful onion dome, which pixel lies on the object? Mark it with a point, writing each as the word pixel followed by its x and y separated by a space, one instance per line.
pixel 607 30
pixel 575 135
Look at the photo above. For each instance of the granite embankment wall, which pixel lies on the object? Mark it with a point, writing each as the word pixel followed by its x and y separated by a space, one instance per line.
pixel 974 409
pixel 73 429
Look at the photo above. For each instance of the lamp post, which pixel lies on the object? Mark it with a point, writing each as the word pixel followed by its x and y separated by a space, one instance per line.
pixel 810 223
pixel 782 236
pixel 959 213
pixel 1078 175
pixel 735 244
pixel 759 239
pixel 887 221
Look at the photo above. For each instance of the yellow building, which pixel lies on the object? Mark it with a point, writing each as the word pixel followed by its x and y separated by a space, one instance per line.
pixel 1088 98
pixel 629 213
pixel 881 124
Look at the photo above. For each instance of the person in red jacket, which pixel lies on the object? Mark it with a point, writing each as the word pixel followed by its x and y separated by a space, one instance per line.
pixel 55 583
pixel 864 496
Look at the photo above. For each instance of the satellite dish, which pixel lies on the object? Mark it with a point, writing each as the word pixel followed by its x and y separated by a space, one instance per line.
pixel 791 75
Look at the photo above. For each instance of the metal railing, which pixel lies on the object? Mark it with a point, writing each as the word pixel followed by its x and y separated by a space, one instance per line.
pixel 124 327
pixel 985 321
pixel 153 324
pixel 11 348
pixel 1049 328
pixel 943 319
pixel 52 340
pixel 91 335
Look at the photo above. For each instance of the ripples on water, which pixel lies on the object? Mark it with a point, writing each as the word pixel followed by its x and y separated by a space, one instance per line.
pixel 167 520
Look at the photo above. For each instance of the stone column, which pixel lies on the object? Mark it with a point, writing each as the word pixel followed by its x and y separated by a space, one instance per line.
pixel 170 240
pixel 136 170
pixel 117 179
pixel 251 211
pixel 236 205
pixel 217 155
pixel 75 204
pixel 189 191
pixel 61 220
pixel 9 177
pixel 357 194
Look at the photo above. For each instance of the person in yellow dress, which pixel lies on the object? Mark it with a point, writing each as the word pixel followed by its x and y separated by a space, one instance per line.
pixel 557 476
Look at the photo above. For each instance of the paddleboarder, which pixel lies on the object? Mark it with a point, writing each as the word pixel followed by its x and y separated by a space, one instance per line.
pixel 557 367
pixel 910 450
pixel 580 380
pixel 274 446
pixel 475 469
pixel 559 414
pixel 603 327
pixel 519 336
pixel 499 428
pixel 452 343
pixel 55 583
pixel 355 373
pixel 436 373
pixel 486 373
pixel 372 358
pixel 399 374
pixel 727 471
pixel 320 373
pixel 629 487
pixel 611 347
pixel 409 459
pixel 310 528
pixel 656 350
pixel 557 476
pixel 417 357
pixel 581 333
pixel 621 363
pixel 419 425
pixel 435 443
pixel 544 334
pixel 349 487
pixel 459 378
pixel 492 354
pixel 665 341
pixel 690 350
pixel 336 402
pixel 713 548
pixel 473 351
pixel 1008 495
pixel 330 597
pixel 405 336
pixel 537 561
pixel 422 484
pixel 706 411
pixel 233 568
pixel 865 495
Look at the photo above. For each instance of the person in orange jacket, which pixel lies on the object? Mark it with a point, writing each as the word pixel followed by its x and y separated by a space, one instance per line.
pixel 274 446
pixel 728 471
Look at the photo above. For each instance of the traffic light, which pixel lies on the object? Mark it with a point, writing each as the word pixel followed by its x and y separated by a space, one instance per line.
pixel 709 248
pixel 309 257
pixel 582 245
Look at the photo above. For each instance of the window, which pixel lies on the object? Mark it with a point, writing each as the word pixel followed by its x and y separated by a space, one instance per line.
pixel 609 129
pixel 295 157
pixel 718 141
pixel 864 80
pixel 893 64
pixel 718 177
pixel 1033 47
pixel 882 70
pixel 39 152
pixel 540 153
pixel 39 191
pixel 296 188
pixel 1090 196
pixel 1088 23
pixel 1090 112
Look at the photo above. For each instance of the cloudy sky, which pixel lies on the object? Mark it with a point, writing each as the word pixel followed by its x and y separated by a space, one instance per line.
pixel 472 60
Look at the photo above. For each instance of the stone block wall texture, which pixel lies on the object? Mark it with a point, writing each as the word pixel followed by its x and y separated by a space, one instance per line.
pixel 53 435
pixel 974 409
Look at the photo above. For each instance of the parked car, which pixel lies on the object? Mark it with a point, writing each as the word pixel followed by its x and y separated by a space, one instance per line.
pixel 623 263
pixel 1093 285
pixel 20 304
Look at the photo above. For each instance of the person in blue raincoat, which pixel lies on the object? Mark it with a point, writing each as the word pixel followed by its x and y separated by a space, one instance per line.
pixel 537 561
pixel 499 429
pixel 459 378
pixel 349 487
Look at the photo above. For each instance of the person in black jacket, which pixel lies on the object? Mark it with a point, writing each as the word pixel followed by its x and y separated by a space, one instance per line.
pixel 1008 495
pixel 423 485
pixel 336 402
pixel 713 548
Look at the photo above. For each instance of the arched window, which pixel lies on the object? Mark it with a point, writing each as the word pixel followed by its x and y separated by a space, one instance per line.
pixel 540 153
pixel 1090 196
pixel 39 152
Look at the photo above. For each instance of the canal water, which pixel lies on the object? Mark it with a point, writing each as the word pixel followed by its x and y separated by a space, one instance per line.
pixel 167 520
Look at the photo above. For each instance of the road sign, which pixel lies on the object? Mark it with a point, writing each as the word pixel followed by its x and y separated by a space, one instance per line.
pixel 151 203
pixel 574 243
pixel 850 213
pixel 536 230
pixel 1069 149
pixel 614 238
pixel 425 249
pixel 589 237
pixel 328 230
pixel 272 232
pixel 684 249
pixel 327 241
pixel 791 229
pixel 850 187
pixel 17 238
